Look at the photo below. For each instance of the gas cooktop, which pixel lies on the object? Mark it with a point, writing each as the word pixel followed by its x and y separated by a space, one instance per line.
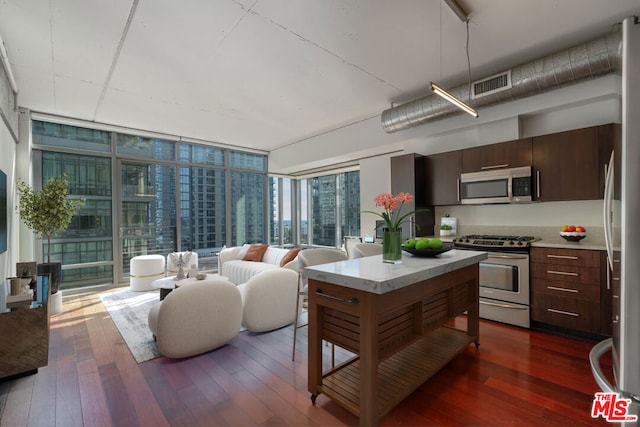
pixel 494 242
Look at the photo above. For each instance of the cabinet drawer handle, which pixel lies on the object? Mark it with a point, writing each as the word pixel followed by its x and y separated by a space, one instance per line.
pixel 458 188
pixel 563 273
pixel 566 313
pixel 555 288
pixel 495 166
pixel 538 184
pixel 353 300
pixel 563 257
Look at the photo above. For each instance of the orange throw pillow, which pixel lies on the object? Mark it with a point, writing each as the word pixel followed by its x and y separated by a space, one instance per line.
pixel 255 253
pixel 289 256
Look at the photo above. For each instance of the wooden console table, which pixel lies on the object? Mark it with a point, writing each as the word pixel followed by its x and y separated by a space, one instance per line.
pixel 391 317
pixel 24 340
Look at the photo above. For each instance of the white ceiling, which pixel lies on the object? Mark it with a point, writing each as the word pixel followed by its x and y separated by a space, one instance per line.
pixel 264 74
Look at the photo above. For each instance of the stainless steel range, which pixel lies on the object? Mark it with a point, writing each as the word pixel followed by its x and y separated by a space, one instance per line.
pixel 504 276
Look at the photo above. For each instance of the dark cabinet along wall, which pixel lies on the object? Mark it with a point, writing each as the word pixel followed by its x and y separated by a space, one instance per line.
pixel 566 165
pixel 408 176
pixel 510 154
pixel 443 178
pixel 571 165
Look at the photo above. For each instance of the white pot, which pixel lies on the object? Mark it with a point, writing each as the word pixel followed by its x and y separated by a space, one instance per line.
pixel 445 232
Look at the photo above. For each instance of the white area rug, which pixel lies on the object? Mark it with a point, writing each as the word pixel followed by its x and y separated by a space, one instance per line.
pixel 129 311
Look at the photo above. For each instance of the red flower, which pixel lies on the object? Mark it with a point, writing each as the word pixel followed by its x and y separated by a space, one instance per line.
pixel 390 203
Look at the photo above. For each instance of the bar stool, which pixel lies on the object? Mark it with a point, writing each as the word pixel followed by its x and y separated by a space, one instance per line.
pixel 308 258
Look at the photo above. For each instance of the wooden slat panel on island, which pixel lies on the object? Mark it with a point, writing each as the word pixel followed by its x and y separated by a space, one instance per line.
pixel 391 317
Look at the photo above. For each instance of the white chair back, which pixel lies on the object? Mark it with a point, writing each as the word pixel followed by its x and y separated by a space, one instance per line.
pixel 317 256
pixel 362 250
pixel 349 243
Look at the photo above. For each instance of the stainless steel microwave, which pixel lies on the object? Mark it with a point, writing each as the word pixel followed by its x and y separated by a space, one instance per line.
pixel 510 185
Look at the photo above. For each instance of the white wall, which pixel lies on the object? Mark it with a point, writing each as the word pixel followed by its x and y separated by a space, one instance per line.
pixel 375 178
pixel 7 164
pixel 8 133
pixel 545 214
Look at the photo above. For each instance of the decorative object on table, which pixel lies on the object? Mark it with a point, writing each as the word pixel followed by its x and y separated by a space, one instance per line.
pixel 180 260
pixel 393 219
pixel 48 212
pixel 27 271
pixel 572 233
pixel 193 271
pixel 426 248
pixel 201 276
pixel 42 291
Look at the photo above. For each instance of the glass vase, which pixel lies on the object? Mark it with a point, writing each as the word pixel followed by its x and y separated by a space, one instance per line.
pixel 392 246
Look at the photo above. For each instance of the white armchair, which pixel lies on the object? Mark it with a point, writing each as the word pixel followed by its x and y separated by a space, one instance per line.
pixel 196 318
pixel 269 300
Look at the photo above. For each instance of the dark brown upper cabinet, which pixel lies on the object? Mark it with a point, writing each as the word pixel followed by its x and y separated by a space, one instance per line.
pixel 443 178
pixel 571 165
pixel 510 154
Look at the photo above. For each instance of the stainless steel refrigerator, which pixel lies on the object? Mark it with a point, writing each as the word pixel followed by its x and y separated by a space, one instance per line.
pixel 622 235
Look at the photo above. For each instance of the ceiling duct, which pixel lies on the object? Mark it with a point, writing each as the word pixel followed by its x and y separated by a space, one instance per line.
pixel 585 61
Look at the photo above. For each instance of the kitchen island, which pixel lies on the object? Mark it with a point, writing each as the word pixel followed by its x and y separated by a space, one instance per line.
pixel 392 316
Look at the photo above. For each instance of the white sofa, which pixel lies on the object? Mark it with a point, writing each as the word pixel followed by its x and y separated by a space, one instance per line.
pixel 232 266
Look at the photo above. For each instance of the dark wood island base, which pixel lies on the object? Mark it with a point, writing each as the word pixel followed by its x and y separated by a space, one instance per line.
pixel 398 336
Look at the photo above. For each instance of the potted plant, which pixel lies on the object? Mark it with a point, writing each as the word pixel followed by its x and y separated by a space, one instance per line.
pixel 47 212
pixel 445 230
pixel 393 218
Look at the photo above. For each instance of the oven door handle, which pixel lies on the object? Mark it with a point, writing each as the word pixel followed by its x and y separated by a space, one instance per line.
pixel 508 256
pixel 495 304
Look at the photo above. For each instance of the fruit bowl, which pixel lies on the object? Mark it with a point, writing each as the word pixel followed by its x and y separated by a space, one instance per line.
pixel 574 236
pixel 428 253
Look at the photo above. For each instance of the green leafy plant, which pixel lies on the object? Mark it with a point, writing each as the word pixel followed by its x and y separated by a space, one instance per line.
pixel 47 211
pixel 446 227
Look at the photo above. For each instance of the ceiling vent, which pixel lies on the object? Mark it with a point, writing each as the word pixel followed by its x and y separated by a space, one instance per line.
pixel 491 85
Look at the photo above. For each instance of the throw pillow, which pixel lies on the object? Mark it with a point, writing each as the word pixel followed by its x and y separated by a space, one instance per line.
pixel 289 256
pixel 255 253
pixel 243 250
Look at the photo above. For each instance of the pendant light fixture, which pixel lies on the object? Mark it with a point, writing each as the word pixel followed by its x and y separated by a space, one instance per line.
pixel 464 17
pixel 452 99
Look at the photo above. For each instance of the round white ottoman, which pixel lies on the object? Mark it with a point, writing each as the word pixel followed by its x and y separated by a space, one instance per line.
pixel 144 269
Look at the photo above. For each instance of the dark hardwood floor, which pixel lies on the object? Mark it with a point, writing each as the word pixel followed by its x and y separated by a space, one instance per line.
pixel 516 378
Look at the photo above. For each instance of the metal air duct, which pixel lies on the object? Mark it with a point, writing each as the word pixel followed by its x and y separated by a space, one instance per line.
pixel 587 60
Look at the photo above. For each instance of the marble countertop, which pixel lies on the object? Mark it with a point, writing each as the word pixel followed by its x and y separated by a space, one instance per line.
pixel 370 274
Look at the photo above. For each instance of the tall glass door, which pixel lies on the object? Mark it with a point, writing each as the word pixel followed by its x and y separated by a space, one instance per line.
pixel 148 207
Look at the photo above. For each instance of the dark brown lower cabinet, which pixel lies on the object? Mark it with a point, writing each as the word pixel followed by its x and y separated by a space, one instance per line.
pixel 566 286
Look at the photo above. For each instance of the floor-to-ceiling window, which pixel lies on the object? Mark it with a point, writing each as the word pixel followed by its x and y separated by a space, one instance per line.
pixel 282 212
pixel 148 195
pixel 202 202
pixel 318 211
pixel 86 248
pixel 248 190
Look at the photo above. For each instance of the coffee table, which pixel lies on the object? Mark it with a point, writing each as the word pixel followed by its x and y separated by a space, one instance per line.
pixel 167 284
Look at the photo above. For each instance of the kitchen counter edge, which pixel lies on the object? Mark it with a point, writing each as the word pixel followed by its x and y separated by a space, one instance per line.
pixel 370 274
pixel 563 244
